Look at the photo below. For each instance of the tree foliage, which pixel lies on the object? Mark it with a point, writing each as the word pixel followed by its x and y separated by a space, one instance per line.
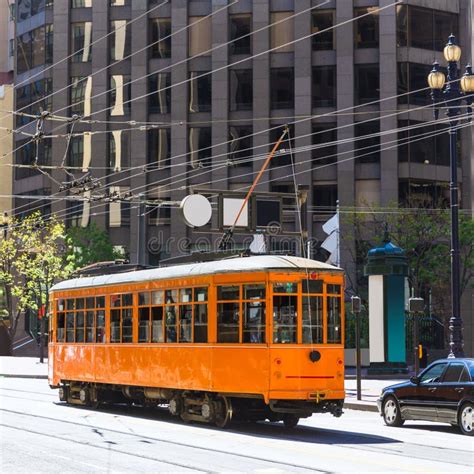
pixel 424 234
pixel 32 258
pixel 90 244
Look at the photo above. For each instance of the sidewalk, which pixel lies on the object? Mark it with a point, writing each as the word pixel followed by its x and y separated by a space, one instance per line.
pixel 23 367
pixel 29 367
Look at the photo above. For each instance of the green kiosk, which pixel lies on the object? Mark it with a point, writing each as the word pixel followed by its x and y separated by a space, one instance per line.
pixel 387 270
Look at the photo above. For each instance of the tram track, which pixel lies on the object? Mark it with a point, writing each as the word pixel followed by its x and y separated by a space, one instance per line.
pixel 143 438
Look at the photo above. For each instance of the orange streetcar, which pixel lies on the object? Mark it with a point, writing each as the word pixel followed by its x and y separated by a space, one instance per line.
pixel 249 338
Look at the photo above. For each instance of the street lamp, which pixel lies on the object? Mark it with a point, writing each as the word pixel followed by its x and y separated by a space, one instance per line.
pixel 356 307
pixel 451 96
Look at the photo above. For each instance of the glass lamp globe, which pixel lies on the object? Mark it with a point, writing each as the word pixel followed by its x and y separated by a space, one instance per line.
pixel 436 78
pixel 467 80
pixel 452 52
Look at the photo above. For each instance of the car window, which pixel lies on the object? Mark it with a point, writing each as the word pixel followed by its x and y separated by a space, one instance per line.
pixel 465 376
pixel 453 372
pixel 433 374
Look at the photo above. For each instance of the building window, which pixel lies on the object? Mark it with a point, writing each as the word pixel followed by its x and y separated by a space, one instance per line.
pixel 119 149
pixel 324 141
pixel 81 38
pixel 241 145
pixel 324 86
pixel 160 37
pixel 76 152
pixel 282 32
pixel 120 39
pixel 34 48
pixel 367 28
pixel 433 35
pixel 159 148
pixel 322 23
pixel 49 39
pixel 81 3
pixel 367 85
pixel 367 150
pixel 412 77
pixel 419 193
pixel 240 28
pixel 283 155
pixel 33 99
pixel 423 143
pixel 78 95
pixel 119 211
pixel 200 91
pixel 159 88
pixel 38 55
pixel 119 3
pixel 11 48
pixel 241 89
pixel 325 198
pixel 74 214
pixel 282 85
pixel 199 36
pixel 119 98
pixel 200 142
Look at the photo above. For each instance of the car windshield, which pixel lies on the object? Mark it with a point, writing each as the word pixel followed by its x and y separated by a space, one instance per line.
pixel 470 363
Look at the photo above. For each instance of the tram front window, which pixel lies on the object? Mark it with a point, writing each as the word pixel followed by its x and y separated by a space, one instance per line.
pixel 334 319
pixel 284 319
pixel 228 314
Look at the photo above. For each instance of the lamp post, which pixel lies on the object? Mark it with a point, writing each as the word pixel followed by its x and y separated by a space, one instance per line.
pixel 416 307
pixel 452 95
pixel 356 307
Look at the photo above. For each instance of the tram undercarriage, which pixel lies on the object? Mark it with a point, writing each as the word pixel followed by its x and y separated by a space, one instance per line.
pixel 206 407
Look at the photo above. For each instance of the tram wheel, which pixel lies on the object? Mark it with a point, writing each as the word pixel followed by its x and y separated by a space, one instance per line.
pixel 224 412
pixel 290 421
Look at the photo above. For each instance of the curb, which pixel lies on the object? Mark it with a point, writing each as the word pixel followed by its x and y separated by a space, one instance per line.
pixel 361 406
pixel 18 376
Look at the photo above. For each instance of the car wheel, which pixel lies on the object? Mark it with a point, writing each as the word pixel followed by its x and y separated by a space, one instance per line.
pixel 391 412
pixel 466 419
pixel 290 421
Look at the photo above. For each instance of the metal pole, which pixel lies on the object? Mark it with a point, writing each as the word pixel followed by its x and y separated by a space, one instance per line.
pixel 41 339
pixel 356 308
pixel 416 343
pixel 358 361
pixel 455 322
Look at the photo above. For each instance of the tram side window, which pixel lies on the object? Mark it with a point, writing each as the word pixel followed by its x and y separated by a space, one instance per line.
pixel 228 314
pixel 334 319
pixel 200 314
pixel 121 318
pixel 312 319
pixel 81 320
pixel 253 330
pixel 60 322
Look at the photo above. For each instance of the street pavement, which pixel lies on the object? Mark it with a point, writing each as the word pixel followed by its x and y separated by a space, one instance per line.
pixel 29 367
pixel 40 434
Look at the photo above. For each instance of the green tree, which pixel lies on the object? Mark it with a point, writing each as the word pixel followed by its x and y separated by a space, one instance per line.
pixel 89 245
pixel 424 234
pixel 32 259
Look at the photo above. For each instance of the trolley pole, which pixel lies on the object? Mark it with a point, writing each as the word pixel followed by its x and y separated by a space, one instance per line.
pixel 356 307
pixel 416 306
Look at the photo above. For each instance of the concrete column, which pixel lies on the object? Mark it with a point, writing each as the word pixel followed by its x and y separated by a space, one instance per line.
pixel 179 111
pixel 261 82
pixel 139 63
pixel 388 88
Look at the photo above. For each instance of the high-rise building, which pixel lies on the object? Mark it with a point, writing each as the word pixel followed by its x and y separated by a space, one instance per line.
pixel 216 81
pixel 7 43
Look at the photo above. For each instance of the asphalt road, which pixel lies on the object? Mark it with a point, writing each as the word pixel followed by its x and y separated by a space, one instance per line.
pixel 40 434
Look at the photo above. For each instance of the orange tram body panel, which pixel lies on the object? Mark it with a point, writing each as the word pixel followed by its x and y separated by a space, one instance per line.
pixel 250 338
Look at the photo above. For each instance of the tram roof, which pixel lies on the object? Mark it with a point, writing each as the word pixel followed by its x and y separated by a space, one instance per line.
pixel 231 265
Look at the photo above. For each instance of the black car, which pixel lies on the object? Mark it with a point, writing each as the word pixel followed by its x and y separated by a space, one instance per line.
pixel 443 392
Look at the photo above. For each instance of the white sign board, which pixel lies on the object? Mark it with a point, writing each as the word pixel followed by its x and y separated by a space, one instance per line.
pixel 231 208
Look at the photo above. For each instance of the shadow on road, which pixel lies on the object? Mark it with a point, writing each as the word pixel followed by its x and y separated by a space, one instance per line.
pixel 306 434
